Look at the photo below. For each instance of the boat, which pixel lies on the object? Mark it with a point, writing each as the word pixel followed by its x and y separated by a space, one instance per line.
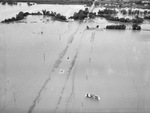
pixel 92 96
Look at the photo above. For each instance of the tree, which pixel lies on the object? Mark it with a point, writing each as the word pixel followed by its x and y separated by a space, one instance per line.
pixel 20 16
pixel 11 2
pixel 136 27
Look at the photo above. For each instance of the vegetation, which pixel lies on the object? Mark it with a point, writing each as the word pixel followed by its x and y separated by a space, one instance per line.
pixel 92 15
pixel 96 3
pixel 82 14
pixel 38 13
pixel 147 17
pixel 104 15
pixel 107 12
pixel 111 18
pixel 136 27
pixel 30 4
pixel 9 2
pixel 22 15
pixel 134 12
pixel 137 20
pixel 124 12
pixel 121 27
pixel 19 16
pixel 54 15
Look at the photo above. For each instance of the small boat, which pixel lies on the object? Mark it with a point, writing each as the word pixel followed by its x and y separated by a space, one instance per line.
pixel 92 96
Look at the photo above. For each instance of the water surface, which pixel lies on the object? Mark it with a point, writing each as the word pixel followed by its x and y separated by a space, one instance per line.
pixel 49 66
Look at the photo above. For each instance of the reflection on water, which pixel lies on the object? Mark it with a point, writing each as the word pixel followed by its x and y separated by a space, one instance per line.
pixel 50 66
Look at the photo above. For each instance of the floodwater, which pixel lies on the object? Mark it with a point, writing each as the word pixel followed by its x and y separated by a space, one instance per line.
pixel 48 66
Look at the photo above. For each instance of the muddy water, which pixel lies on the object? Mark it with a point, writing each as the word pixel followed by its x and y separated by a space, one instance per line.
pixel 49 66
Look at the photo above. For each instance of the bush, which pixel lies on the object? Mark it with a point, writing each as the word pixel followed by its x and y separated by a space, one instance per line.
pixel 121 27
pixel 137 20
pixel 107 11
pixel 147 17
pixel 54 15
pixel 19 16
pixel 118 19
pixel 136 27
pixel 82 14
pixel 124 12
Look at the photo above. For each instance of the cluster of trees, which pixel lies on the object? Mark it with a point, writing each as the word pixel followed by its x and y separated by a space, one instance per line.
pixel 60 17
pixel 136 27
pixel 20 16
pixel 13 2
pixel 142 2
pixel 135 20
pixel 82 14
pixel 123 11
pixel 118 19
pixel 130 12
pixel 104 15
pixel 9 2
pixel 146 12
pixel 147 17
pixel 134 12
pixel 30 4
pixel 37 13
pixel 92 15
pixel 56 16
pixel 96 3
pixel 107 11
pixel 121 27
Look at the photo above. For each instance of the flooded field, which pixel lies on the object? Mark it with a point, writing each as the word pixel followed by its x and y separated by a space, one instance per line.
pixel 48 66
